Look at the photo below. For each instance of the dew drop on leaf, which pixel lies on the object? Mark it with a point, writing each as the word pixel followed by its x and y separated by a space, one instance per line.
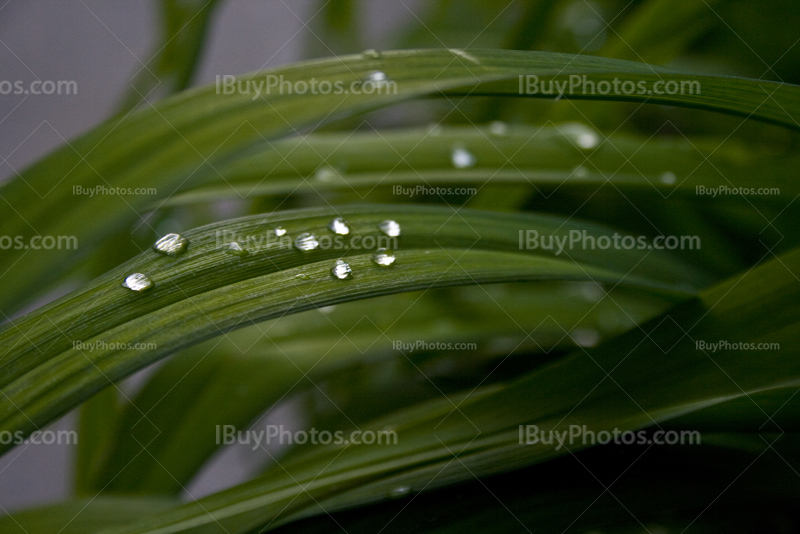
pixel 383 257
pixel 235 249
pixel 341 270
pixel 171 245
pixel 306 242
pixel 339 226
pixel 390 228
pixel 463 158
pixel 138 282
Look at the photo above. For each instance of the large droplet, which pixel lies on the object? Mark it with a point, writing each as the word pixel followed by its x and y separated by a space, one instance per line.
pixel 383 257
pixel 279 231
pixel 171 245
pixel 399 492
pixel 390 228
pixel 669 178
pixel 463 158
pixel 341 270
pixel 138 282
pixel 339 226
pixel 306 241
pixel 235 249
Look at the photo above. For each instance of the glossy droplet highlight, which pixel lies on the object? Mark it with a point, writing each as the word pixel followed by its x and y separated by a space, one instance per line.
pixel 376 78
pixel 585 337
pixel 279 231
pixel 325 174
pixel 341 270
pixel 171 245
pixel 339 226
pixel 235 249
pixel 463 158
pixel 138 282
pixel 581 135
pixel 498 128
pixel 390 228
pixel 383 257
pixel 399 492
pixel 306 242
pixel 669 178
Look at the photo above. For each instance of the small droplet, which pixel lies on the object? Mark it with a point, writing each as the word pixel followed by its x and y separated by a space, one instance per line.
pixel 585 337
pixel 463 158
pixel 279 231
pixel 390 228
pixel 341 270
pixel 376 78
pixel 583 136
pixel 383 257
pixel 371 54
pixel 498 128
pixel 339 226
pixel 580 172
pixel 235 249
pixel 306 241
pixel 138 282
pixel 326 174
pixel 399 492
pixel 302 276
pixel 669 178
pixel 171 245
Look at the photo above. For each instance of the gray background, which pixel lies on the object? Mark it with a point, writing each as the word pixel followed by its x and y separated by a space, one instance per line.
pixel 100 45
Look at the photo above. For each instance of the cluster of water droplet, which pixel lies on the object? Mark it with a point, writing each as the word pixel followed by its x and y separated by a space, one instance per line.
pixel 175 244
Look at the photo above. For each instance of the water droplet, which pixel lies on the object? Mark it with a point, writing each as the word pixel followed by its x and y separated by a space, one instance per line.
pixel 279 231
pixel 339 226
pixel 583 136
pixel 327 310
pixel 669 178
pixel 371 54
pixel 235 249
pixel 341 270
pixel 376 78
pixel 383 257
pixel 302 276
pixel 138 282
pixel 585 337
pixel 463 158
pixel 580 172
pixel 306 241
pixel 498 128
pixel 326 174
pixel 171 245
pixel 390 228
pixel 399 492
